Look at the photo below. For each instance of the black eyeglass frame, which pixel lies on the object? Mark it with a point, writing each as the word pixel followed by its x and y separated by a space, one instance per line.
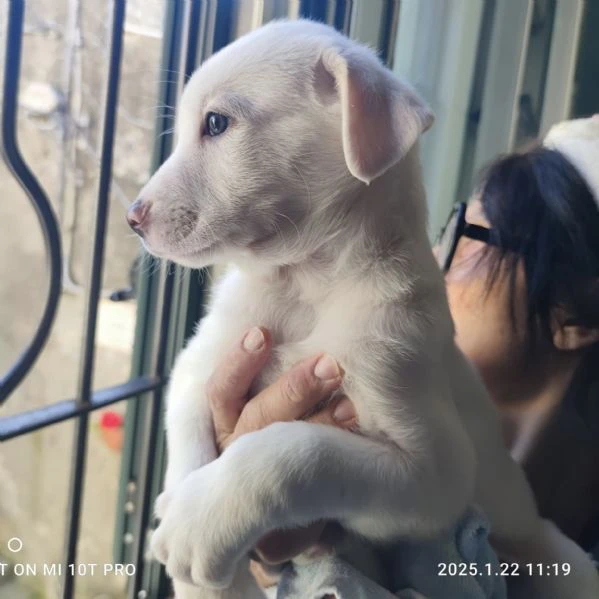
pixel 463 229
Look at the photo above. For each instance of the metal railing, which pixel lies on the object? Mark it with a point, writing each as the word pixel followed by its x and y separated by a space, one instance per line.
pixel 87 399
pixel 49 224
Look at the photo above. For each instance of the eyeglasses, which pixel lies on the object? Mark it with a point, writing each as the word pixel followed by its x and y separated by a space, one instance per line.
pixel 456 227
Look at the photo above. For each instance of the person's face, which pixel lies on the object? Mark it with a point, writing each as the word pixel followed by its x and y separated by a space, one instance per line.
pixel 485 331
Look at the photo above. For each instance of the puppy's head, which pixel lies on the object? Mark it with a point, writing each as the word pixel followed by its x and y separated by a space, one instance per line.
pixel 274 133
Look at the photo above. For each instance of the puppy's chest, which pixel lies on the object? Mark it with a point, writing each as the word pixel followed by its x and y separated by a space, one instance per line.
pixel 338 321
pixel 301 332
pixel 301 328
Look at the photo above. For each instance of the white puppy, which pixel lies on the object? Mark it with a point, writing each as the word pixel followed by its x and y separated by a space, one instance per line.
pixel 297 162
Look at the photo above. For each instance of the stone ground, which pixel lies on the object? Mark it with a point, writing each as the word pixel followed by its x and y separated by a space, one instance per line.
pixel 34 469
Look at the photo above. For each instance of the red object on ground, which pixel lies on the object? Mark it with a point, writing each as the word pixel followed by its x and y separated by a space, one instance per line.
pixel 112 430
pixel 111 420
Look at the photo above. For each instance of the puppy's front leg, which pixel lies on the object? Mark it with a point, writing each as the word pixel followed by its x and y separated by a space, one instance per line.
pixel 192 444
pixel 291 474
pixel 189 425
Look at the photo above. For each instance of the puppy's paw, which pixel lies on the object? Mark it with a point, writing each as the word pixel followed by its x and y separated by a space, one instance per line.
pixel 191 540
pixel 178 550
pixel 185 564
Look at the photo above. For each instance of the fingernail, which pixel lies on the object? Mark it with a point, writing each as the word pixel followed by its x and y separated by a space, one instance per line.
pixel 326 368
pixel 254 340
pixel 344 411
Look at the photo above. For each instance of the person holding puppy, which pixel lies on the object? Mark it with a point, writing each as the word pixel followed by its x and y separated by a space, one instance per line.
pixel 522 273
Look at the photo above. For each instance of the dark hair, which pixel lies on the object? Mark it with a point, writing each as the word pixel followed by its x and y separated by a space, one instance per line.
pixel 541 210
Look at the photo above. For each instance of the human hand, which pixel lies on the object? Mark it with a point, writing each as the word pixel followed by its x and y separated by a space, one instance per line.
pixel 293 396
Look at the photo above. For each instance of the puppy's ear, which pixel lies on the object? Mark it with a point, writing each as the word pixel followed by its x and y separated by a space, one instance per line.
pixel 381 117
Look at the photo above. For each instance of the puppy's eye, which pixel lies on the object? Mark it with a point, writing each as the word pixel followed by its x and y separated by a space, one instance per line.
pixel 216 123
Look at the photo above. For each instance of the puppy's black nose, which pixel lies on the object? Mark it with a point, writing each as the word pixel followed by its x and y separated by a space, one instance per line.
pixel 137 216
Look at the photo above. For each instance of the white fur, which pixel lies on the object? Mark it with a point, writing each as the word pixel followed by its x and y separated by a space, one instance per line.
pixel 327 263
